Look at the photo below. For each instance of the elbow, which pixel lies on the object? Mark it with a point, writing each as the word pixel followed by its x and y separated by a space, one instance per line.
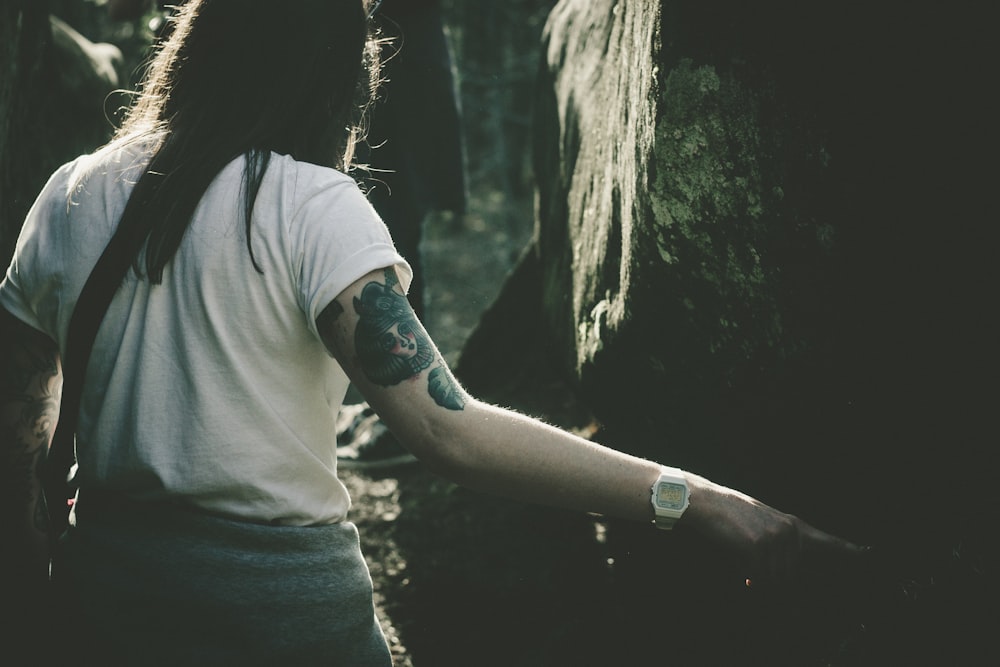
pixel 439 454
pixel 443 447
pixel 442 465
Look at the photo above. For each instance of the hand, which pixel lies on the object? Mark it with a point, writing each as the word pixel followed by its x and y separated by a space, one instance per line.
pixel 771 542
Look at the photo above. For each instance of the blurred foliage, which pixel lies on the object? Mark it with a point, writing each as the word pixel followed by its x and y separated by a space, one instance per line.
pixel 134 38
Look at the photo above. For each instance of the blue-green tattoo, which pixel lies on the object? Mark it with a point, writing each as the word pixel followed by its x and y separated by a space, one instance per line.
pixel 393 347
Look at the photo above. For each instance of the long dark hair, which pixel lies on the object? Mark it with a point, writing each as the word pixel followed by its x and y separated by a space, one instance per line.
pixel 243 77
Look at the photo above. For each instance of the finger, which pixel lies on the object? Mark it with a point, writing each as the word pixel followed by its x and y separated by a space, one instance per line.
pixel 817 541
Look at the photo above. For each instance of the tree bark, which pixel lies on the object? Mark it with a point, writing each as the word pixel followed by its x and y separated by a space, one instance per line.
pixel 764 251
pixel 760 238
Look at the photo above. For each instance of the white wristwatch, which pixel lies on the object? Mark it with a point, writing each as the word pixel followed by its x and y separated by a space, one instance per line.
pixel 670 497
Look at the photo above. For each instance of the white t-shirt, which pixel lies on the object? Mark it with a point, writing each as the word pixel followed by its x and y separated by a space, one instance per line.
pixel 213 387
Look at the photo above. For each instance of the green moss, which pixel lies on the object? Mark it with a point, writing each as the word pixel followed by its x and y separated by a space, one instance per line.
pixel 716 205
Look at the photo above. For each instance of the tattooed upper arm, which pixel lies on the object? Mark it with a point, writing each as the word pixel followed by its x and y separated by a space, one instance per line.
pixel 30 394
pixel 383 338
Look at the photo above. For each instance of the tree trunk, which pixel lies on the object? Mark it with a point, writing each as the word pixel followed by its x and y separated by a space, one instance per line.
pixel 752 222
pixel 764 251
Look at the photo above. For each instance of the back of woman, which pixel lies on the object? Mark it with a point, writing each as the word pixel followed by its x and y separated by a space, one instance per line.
pixel 207 414
pixel 212 387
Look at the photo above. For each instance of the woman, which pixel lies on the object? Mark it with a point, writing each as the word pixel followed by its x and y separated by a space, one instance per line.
pixel 210 525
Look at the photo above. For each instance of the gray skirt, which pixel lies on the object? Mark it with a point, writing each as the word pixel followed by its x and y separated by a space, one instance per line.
pixel 151 584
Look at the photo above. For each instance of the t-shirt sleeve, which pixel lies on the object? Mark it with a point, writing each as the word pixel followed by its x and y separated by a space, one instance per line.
pixel 336 238
pixel 31 287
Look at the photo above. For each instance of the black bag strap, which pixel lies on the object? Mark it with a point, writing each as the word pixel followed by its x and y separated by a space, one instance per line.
pixel 91 307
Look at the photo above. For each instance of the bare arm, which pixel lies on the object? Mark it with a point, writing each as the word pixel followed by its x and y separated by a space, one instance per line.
pixel 375 336
pixel 30 392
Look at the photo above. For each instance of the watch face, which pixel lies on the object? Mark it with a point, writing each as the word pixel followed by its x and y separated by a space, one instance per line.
pixel 670 496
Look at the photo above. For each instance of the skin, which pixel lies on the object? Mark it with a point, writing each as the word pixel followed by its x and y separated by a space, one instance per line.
pixel 499 451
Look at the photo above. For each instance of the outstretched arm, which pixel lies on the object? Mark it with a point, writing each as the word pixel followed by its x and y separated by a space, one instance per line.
pixel 375 336
pixel 30 391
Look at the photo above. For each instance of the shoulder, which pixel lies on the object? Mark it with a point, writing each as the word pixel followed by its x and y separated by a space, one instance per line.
pixel 315 189
pixel 81 202
pixel 311 179
pixel 114 166
pixel 63 180
pixel 53 202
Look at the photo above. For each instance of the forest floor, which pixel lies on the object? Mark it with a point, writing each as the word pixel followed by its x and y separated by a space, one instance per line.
pixel 466 260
